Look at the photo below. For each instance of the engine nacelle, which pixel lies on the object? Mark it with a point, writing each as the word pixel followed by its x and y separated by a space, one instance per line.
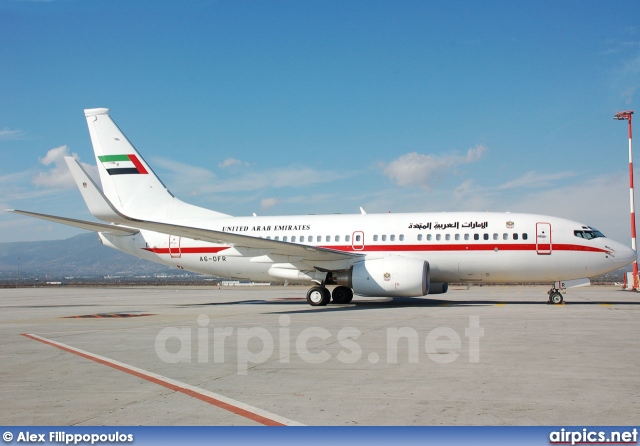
pixel 390 276
pixel 438 287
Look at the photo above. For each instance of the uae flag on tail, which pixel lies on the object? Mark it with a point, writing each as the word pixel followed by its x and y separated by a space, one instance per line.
pixel 122 164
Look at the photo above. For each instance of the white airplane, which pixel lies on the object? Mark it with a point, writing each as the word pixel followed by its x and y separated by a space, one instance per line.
pixel 389 255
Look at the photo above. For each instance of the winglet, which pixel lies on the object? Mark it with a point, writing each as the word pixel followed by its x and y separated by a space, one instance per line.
pixel 98 204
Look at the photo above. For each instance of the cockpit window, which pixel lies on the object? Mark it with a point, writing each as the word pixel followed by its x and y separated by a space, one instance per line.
pixel 588 234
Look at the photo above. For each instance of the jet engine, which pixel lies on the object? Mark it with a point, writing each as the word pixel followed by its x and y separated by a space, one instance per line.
pixel 392 276
pixel 438 287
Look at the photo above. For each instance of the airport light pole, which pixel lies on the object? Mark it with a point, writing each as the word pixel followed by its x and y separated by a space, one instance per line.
pixel 626 116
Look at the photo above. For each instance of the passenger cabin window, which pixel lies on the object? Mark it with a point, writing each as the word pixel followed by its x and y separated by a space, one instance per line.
pixel 375 238
pixel 384 238
pixel 466 236
pixel 328 238
pixel 419 237
pixel 392 237
pixel 476 236
pixel 438 236
pixel 428 237
pixel 347 238
pixel 284 239
pixel 505 236
pixel 495 236
pixel 457 236
pixel 525 236
pixel 447 237
pixel 515 236
pixel 293 238
pixel 337 238
pixel 401 237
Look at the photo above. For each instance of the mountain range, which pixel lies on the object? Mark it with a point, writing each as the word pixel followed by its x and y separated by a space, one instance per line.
pixel 79 256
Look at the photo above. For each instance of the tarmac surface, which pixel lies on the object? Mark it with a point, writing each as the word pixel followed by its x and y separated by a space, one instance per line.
pixel 492 355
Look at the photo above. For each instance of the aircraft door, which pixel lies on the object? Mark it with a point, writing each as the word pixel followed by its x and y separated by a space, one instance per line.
pixel 544 245
pixel 174 247
pixel 357 241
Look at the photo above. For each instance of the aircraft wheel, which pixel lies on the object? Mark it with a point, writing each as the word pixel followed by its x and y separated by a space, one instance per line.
pixel 556 298
pixel 318 296
pixel 342 295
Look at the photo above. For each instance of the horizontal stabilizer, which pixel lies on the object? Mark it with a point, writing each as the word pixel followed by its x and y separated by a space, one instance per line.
pixel 88 225
pixel 98 204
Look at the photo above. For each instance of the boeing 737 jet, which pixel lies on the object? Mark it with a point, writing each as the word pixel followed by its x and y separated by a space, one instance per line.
pixel 387 255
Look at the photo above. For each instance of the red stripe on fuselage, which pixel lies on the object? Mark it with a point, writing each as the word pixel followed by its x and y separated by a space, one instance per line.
pixel 468 247
pixel 196 250
pixel 412 248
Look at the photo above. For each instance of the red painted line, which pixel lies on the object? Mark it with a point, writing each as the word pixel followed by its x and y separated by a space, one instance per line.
pixel 136 162
pixel 244 410
pixel 182 250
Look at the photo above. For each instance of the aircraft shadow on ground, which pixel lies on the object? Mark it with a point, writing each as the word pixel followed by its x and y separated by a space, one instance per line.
pixel 50 306
pixel 356 305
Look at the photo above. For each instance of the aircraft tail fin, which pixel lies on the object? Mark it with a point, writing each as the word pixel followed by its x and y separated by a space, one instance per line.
pixel 128 181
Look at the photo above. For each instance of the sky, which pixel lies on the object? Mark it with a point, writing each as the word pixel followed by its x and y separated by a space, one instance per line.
pixel 311 107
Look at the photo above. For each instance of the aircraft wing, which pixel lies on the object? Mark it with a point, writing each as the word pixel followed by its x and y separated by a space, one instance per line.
pixel 88 225
pixel 102 208
pixel 309 253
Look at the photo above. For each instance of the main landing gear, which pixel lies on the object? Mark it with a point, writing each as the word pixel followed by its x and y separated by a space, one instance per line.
pixel 319 296
pixel 555 297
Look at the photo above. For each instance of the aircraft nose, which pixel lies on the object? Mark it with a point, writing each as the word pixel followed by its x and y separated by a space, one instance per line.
pixel 624 255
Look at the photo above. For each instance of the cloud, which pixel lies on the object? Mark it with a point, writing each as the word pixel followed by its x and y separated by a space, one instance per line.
pixel 193 180
pixel 535 180
pixel 416 169
pixel 58 176
pixel 10 135
pixel 628 79
pixel 229 162
pixel 291 176
pixel 14 178
pixel 185 178
pixel 267 203
pixel 625 68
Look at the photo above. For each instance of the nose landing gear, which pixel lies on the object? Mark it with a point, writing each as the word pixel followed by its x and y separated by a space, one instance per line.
pixel 555 297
